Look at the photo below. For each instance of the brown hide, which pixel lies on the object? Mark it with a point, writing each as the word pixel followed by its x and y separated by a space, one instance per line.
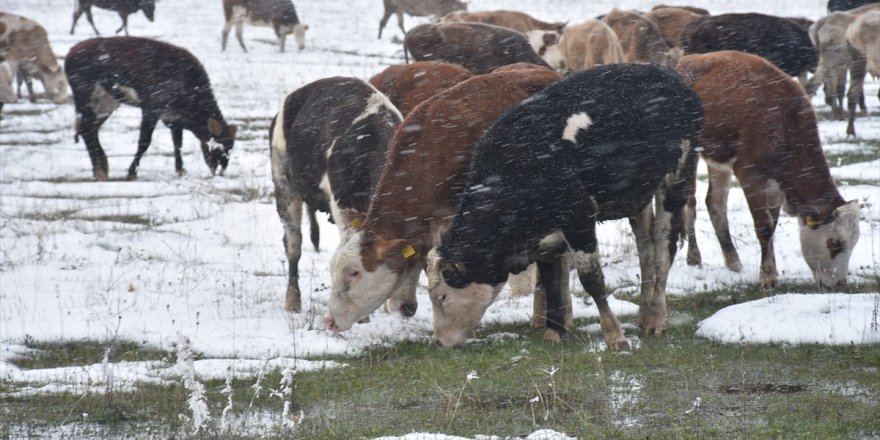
pixel 515 20
pixel 262 10
pixel 670 21
pixel 640 38
pixel 428 159
pixel 589 44
pixel 417 8
pixel 407 85
pixel 693 9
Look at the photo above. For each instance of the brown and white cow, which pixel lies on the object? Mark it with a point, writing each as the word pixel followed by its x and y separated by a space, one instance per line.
pixel 863 36
pixel 670 21
pixel 640 38
pixel 123 7
pixel 166 82
pixel 478 47
pixel 328 144
pixel 280 15
pixel 417 8
pixel 588 44
pixel 407 85
pixel 428 160
pixel 693 9
pixel 518 21
pixel 25 46
pixel 759 126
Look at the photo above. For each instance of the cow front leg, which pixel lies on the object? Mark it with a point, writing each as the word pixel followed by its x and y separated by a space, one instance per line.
pixel 88 128
pixel 590 274
pixel 148 124
pixel 239 34
pixel 76 14
pixel 551 270
pixel 716 203
pixel 124 24
pixel 400 22
pixel 764 200
pixel 652 305
pixel 855 94
pixel 384 21
pixel 225 36
pixel 91 20
pixel 177 140
pixel 290 211
pixel 281 40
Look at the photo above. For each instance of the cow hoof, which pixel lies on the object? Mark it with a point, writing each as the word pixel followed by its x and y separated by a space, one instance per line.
pixel 769 282
pixel 735 266
pixel 616 344
pixel 100 175
pixel 653 324
pixel 292 301
pixel 131 176
pixel 181 172
pixel 551 335
pixel 694 259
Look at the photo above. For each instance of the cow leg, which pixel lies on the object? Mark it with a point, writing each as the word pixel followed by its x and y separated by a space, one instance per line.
pixel 551 268
pixel 281 40
pixel 590 274
pixel 403 297
pixel 314 229
pixel 694 258
pixel 148 124
pixel 225 36
pixel 22 77
pixel 384 21
pixel 89 123
pixel 835 89
pixel 239 34
pixel 652 310
pixel 716 202
pixel 400 21
pixel 91 20
pixel 76 14
pixel 764 199
pixel 290 210
pixel 177 140
pixel 857 73
pixel 124 24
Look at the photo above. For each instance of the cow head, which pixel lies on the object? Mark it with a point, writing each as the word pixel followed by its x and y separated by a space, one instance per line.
pixel 546 45
pixel 55 82
pixel 827 243
pixel 299 34
pixel 149 8
pixel 218 146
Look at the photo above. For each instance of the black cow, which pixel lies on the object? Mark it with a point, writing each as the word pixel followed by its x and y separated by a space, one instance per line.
pixel 167 82
pixel 123 7
pixel 595 146
pixel 328 146
pixel 779 40
pixel 845 5
pixel 478 47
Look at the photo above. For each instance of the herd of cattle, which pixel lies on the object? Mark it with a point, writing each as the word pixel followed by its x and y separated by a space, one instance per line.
pixel 491 158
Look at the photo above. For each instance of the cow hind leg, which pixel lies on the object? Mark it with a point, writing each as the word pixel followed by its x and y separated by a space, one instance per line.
pixel 76 15
pixel 239 34
pixel 177 141
pixel 551 270
pixel 225 35
pixel 652 305
pixel 590 274
pixel 91 20
pixel 290 211
pixel 716 202
pixel 88 126
pixel 855 94
pixel 314 229
pixel 765 199
pixel 124 26
pixel 148 124
pixel 384 21
pixel 400 21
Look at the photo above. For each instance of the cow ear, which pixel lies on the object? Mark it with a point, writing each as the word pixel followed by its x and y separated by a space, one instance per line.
pixel 550 38
pixel 809 216
pixel 215 127
pixel 395 253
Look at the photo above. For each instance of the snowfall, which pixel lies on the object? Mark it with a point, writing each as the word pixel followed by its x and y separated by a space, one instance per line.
pixel 198 261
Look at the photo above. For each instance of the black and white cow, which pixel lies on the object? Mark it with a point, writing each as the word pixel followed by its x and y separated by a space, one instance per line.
pixel 328 146
pixel 598 145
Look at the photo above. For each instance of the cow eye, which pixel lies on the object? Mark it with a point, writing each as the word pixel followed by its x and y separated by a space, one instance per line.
pixel 353 273
pixel 835 247
pixel 442 298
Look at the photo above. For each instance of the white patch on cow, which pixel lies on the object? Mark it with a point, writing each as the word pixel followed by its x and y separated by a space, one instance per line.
pixel 102 102
pixel 727 167
pixel 574 123
pixel 131 96
pixel 817 242
pixel 374 103
pixel 342 220
pixel 7 92
pixel 279 143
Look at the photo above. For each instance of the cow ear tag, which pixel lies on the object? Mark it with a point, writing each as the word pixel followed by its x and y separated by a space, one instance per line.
pixel 408 251
pixel 355 223
pixel 812 221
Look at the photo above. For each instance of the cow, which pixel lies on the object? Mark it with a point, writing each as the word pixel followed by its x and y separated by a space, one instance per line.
pixel 670 21
pixel 478 47
pixel 596 146
pixel 694 9
pixel 7 93
pixel 863 36
pixel 588 44
pixel 781 41
pixel 123 7
pixel 280 15
pixel 328 144
pixel 760 126
pixel 845 5
pixel 640 38
pixel 25 46
pixel 428 160
pixel 407 85
pixel 166 82
pixel 418 8
pixel 518 21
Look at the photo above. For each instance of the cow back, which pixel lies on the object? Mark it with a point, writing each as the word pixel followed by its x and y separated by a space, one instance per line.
pixel 407 85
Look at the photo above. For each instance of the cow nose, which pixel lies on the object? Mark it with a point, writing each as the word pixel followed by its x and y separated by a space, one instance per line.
pixel 408 310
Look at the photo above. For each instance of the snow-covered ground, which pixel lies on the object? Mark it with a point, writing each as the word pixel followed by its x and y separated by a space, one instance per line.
pixel 200 257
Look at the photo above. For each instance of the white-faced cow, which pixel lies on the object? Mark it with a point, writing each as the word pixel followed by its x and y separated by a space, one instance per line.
pixel 419 190
pixel 166 82
pixel 418 8
pixel 640 38
pixel 598 145
pixel 280 15
pixel 863 36
pixel 25 47
pixel 328 144
pixel 478 47
pixel 123 7
pixel 518 21
pixel 760 126
pixel 588 44
pixel 408 85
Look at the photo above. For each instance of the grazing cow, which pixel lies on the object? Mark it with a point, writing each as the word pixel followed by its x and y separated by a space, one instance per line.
pixel 760 126
pixel 779 40
pixel 328 144
pixel 863 36
pixel 670 21
pixel 598 145
pixel 588 44
pixel 166 82
pixel 518 21
pixel 845 5
pixel 418 8
pixel 123 7
pixel 640 38
pixel 280 15
pixel 407 85
pixel 25 46
pixel 428 159
pixel 478 47
pixel 693 9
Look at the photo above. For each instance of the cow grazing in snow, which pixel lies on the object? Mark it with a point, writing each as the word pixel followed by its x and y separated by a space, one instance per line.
pixel 123 7
pixel 478 47
pixel 863 36
pixel 280 15
pixel 518 21
pixel 419 190
pixel 598 145
pixel 640 38
pixel 670 21
pixel 779 40
pixel 25 46
pixel 166 82
pixel 581 46
pixel 759 125
pixel 408 85
pixel 418 8
pixel 328 144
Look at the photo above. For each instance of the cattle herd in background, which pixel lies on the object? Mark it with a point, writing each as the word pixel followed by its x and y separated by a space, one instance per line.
pixel 492 156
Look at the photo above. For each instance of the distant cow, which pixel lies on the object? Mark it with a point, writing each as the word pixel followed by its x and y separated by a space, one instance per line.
pixel 417 8
pixel 640 38
pixel 588 44
pixel 845 5
pixel 328 144
pixel 596 146
pixel 123 7
pixel 863 36
pixel 760 126
pixel 7 93
pixel 408 85
pixel 25 46
pixel 518 21
pixel 280 15
pixel 478 47
pixel 166 82
pixel 419 190
pixel 670 21
pixel 779 40
pixel 694 9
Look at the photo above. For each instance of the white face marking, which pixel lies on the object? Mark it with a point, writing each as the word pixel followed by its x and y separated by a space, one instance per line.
pixel 575 122
pixel 827 248
pixel 299 33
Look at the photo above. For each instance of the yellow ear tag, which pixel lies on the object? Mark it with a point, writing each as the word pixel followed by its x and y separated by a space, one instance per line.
pixel 810 221
pixel 355 223
pixel 408 251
